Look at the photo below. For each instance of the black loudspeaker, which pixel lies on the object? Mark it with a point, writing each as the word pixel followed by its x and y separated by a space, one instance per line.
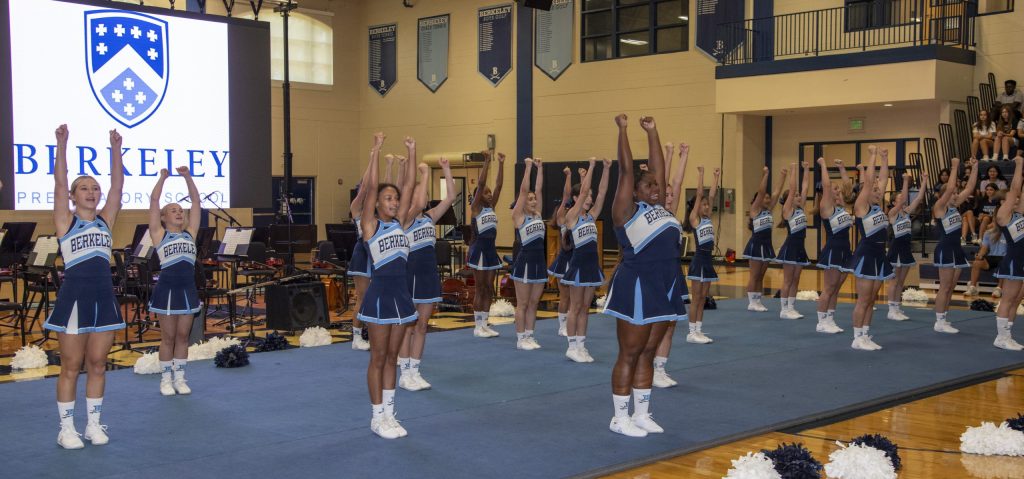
pixel 538 4
pixel 297 306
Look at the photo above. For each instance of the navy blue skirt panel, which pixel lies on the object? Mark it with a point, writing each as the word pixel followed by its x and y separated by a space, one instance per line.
pixel 759 250
pixel 561 262
pixel 684 288
pixel 869 262
pixel 528 267
pixel 483 255
pixel 388 301
pixel 701 269
pixel 835 255
pixel 359 265
pixel 423 278
pixel 175 292
pixel 793 251
pixel 646 292
pixel 584 269
pixel 85 305
pixel 949 254
pixel 899 253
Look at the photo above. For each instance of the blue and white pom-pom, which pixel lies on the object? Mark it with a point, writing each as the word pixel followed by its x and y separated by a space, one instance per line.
pixel 30 357
pixel 502 308
pixel 755 465
pixel 599 302
pixel 1007 439
pixel 273 342
pixel 808 295
pixel 148 363
pixel 315 336
pixel 859 461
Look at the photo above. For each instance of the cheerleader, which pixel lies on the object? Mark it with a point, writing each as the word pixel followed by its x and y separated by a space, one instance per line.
pixel 85 314
pixel 899 248
pixel 528 270
pixel 949 256
pixel 672 193
pixel 793 254
pixel 358 265
pixel 702 271
pixel 835 255
pixel 1010 218
pixel 388 306
pixel 561 261
pixel 483 254
pixel 643 293
pixel 583 273
pixel 869 264
pixel 759 251
pixel 175 299
pixel 424 280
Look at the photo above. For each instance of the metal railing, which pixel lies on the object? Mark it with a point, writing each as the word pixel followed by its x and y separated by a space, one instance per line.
pixel 855 27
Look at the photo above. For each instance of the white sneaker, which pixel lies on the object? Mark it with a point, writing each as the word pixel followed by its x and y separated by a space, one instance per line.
pixel 790 314
pixel 986 158
pixel 585 354
pixel 167 387
pixel 828 327
pixel 69 438
pixel 624 425
pixel 181 386
pixel 481 332
pixel 490 330
pixel 525 344
pixel 646 422
pixel 408 382
pixel 758 307
pixel 896 315
pixel 419 380
pixel 662 379
pixel 1007 343
pixel 561 331
pixel 858 343
pixel 396 425
pixel 997 293
pixel 945 327
pixel 697 338
pixel 870 343
pixel 971 290
pixel 574 355
pixel 533 342
pixel 360 344
pixel 96 434
pixel 382 427
pixel 705 338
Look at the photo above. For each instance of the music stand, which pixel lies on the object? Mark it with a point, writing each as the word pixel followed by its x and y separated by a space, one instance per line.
pixel 142 244
pixel 236 242
pixel 260 235
pixel 447 219
pixel 204 240
pixel 344 237
pixel 302 238
pixel 42 262
pixel 16 242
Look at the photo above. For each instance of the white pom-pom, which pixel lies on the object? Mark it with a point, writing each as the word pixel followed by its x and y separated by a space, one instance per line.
pixel 1020 309
pixel 912 295
pixel 858 461
pixel 752 466
pixel 502 308
pixel 992 467
pixel 807 295
pixel 148 363
pixel 29 357
pixel 209 349
pixel 315 336
pixel 989 440
pixel 600 301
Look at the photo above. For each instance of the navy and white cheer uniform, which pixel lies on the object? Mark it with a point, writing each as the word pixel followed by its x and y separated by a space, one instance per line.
pixel 387 299
pixel 424 280
pixel 528 266
pixel 899 248
pixel 948 252
pixel 1012 265
pixel 701 268
pixel 175 292
pixel 85 302
pixel 759 247
pixel 584 267
pixel 869 260
pixel 483 254
pixel 646 285
pixel 836 252
pixel 359 264
pixel 561 262
pixel 793 250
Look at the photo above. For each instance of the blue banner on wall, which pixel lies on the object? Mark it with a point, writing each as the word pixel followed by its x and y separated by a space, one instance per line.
pixel 494 42
pixel 553 38
pixel 712 40
pixel 432 51
pixel 383 70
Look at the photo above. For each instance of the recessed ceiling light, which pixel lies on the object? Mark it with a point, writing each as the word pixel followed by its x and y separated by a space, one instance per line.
pixel 684 18
pixel 887 104
pixel 630 41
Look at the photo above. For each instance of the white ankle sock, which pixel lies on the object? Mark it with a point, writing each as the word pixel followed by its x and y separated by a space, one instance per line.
pixel 480 318
pixel 660 362
pixel 785 303
pixel 166 367
pixel 179 368
pixel 521 336
pixel 832 314
pixel 581 342
pixel 641 401
pixel 66 412
pixel 357 333
pixel 414 365
pixel 378 410
pixel 621 405
pixel 700 326
pixel 1003 326
pixel 792 302
pixel 752 297
pixel 864 330
pixel 94 406
pixel 858 332
pixel 822 316
pixel 940 317
pixel 572 342
pixel 529 333
pixel 389 402
pixel 894 306
pixel 403 366
pixel 561 320
pixel 693 327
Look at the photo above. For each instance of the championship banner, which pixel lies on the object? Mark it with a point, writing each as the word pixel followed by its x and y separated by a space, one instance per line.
pixel 494 45
pixel 383 72
pixel 553 33
pixel 432 51
pixel 712 13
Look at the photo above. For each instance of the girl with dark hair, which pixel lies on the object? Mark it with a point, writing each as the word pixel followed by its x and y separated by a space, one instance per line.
pixel 483 254
pixel 528 273
pixel 994 177
pixel 983 133
pixel 85 314
pixel 835 255
pixel 175 298
pixel 583 273
pixel 793 253
pixel 702 271
pixel 359 265
pixel 423 280
pixel 949 255
pixel 1010 219
pixel 561 261
pixel 869 264
pixel 387 307
pixel 643 294
pixel 759 251
pixel 1006 133
pixel 672 195
pixel 899 254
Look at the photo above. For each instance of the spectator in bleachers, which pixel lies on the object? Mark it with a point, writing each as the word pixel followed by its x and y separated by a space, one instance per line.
pixel 993 248
pixel 1011 97
pixel 993 175
pixel 985 210
pixel 943 179
pixel 968 231
pixel 1006 134
pixel 983 132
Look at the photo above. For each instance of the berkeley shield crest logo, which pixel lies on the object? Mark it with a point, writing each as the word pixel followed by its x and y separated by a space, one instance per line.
pixel 126 63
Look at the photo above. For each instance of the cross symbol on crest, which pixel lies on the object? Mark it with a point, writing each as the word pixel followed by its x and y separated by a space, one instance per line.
pixel 101 30
pixel 151 36
pixel 136 32
pixel 119 30
pixel 151 54
pixel 140 97
pixel 129 109
pixel 117 96
pixel 129 84
pixel 101 49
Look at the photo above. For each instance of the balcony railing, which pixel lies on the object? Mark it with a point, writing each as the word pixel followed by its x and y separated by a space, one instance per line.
pixel 855 27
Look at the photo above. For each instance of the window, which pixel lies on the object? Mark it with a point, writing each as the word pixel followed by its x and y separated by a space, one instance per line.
pixel 629 28
pixel 310 46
